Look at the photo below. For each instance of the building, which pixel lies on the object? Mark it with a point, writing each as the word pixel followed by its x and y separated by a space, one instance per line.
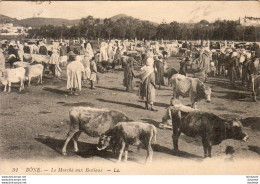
pixel 9 29
pixel 250 21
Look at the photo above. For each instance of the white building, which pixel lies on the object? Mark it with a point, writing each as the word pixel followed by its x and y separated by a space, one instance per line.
pixel 250 21
pixel 9 29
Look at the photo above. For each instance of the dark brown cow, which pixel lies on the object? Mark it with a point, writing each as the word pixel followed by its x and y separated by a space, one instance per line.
pixel 92 121
pixel 210 127
pixel 129 133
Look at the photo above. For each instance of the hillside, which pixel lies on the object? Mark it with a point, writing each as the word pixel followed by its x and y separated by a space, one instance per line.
pixel 37 22
pixel 119 16
pixel 6 19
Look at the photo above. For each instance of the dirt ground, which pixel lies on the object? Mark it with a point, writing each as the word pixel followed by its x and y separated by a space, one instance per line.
pixel 34 123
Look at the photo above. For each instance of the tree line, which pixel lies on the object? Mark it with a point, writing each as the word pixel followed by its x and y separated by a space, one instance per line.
pixel 131 28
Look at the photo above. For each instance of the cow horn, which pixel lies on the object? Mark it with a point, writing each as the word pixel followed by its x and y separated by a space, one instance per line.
pixel 246 138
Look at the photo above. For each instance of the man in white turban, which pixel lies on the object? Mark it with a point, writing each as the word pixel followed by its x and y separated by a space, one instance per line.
pixel 147 84
pixel 74 74
pixel 54 63
pixel 89 51
pixel 205 61
pixel 103 52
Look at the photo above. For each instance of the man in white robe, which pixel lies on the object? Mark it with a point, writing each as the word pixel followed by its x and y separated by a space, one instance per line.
pixel 74 74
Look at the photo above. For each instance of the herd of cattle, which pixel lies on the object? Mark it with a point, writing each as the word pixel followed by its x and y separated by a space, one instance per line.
pixel 117 131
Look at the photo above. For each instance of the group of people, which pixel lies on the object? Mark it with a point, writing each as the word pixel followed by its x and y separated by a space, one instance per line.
pixel 79 69
pixel 151 77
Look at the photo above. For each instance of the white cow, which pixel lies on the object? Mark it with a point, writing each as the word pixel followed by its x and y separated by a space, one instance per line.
pixel 41 58
pixel 34 71
pixel 63 60
pixel 13 75
pixel 21 64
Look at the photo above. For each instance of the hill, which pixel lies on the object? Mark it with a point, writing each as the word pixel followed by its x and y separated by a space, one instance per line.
pixel 6 19
pixel 37 22
pixel 119 16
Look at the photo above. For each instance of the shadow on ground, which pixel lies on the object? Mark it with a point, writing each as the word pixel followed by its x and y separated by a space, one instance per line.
pixel 86 150
pixel 183 154
pixel 57 91
pixel 113 89
pixel 88 104
pixel 150 121
pixel 254 149
pixel 121 103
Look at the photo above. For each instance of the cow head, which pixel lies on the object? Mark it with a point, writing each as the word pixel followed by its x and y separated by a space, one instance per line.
pixel 207 92
pixel 104 142
pixel 237 131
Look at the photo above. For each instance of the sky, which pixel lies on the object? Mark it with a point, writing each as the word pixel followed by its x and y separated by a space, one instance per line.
pixel 156 11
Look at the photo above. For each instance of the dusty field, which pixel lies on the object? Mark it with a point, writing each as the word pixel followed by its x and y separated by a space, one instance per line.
pixel 34 124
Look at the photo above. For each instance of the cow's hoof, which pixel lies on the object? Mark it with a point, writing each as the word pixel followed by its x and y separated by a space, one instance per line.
pixel 64 153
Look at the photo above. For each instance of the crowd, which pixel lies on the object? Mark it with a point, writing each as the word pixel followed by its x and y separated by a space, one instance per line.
pixel 83 63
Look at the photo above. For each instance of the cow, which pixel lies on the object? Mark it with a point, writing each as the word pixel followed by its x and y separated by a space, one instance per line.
pixel 92 121
pixel 256 86
pixel 210 127
pixel 167 118
pixel 34 71
pixel 129 133
pixel 168 73
pixel 21 64
pixel 63 60
pixel 201 75
pixel 190 87
pixel 13 75
pixel 40 58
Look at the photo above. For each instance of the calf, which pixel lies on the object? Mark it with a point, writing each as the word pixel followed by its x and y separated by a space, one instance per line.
pixel 129 133
pixel 210 127
pixel 13 75
pixel 34 71
pixel 190 87
pixel 92 121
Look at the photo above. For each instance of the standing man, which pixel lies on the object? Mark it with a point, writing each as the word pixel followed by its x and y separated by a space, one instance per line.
pixel 75 70
pixel 43 50
pixel 233 65
pixel 63 50
pixel 205 62
pixel 147 84
pixel 129 74
pixel 160 71
pixel 54 63
pixel 93 74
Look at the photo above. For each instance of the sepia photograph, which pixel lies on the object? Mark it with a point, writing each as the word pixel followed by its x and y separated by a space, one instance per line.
pixel 129 88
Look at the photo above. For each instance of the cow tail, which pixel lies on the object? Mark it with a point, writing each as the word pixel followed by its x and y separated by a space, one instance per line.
pixel 154 134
